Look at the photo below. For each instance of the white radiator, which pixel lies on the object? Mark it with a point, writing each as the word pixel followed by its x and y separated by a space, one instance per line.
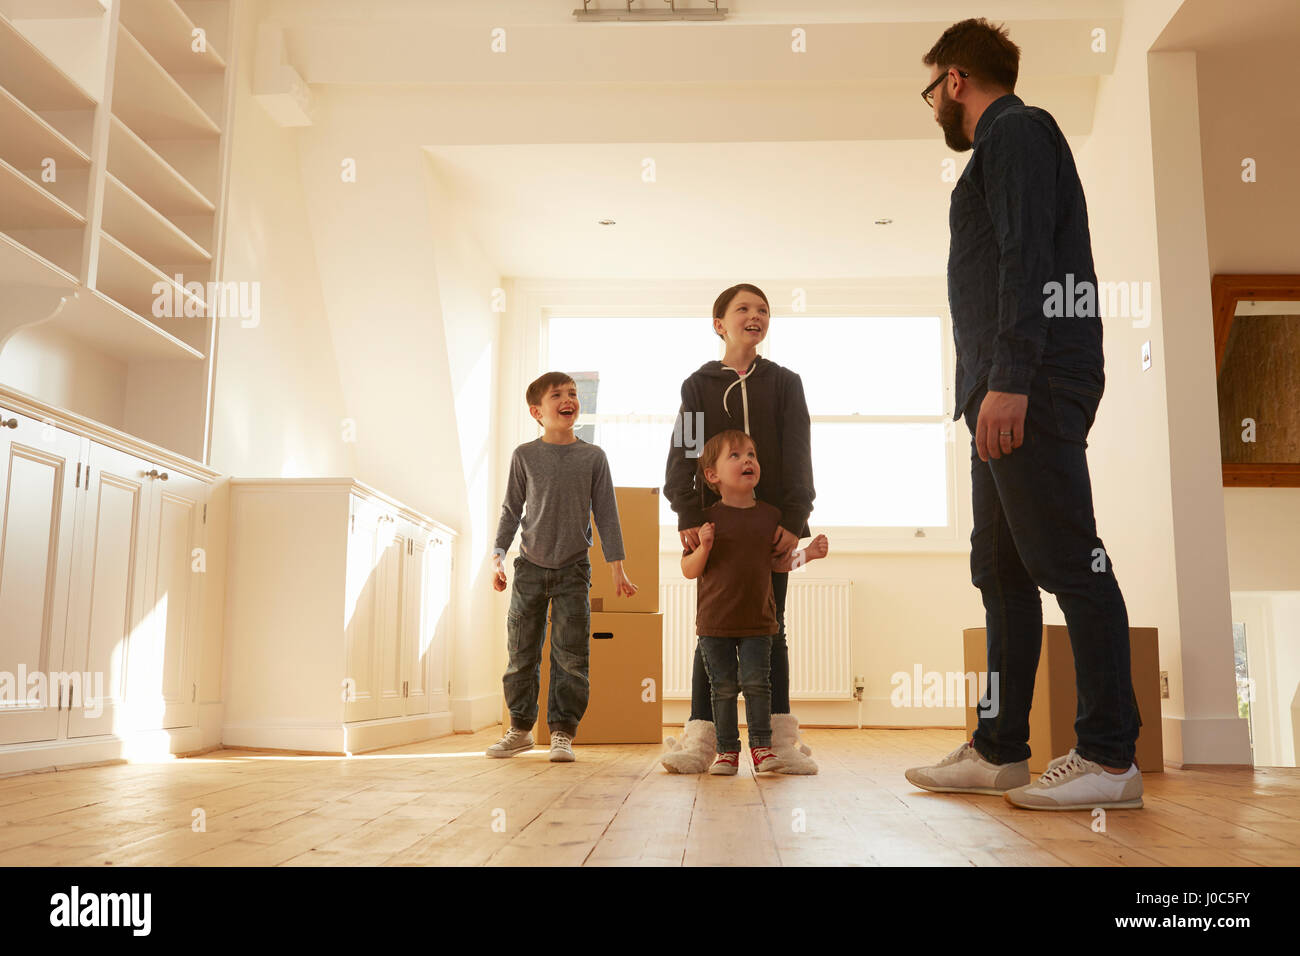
pixel 817 630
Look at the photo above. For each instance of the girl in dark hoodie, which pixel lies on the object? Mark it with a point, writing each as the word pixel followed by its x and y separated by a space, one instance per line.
pixel 766 401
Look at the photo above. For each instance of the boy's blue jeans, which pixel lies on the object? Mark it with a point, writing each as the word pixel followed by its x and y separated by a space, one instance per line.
pixel 566 592
pixel 720 658
pixel 701 698
pixel 1034 527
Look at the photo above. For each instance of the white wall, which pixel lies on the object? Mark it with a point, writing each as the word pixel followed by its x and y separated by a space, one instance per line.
pixel 1263 535
pixel 278 406
pixel 466 283
pixel 1272 621
pixel 1251 229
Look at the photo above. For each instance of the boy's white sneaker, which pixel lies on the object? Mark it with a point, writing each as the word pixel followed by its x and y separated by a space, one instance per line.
pixel 561 747
pixel 965 771
pixel 514 742
pixel 1073 782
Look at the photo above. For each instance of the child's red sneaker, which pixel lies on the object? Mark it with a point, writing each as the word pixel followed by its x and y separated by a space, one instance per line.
pixel 764 759
pixel 727 764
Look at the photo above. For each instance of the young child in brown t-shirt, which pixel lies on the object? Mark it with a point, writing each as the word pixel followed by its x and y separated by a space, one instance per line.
pixel 735 612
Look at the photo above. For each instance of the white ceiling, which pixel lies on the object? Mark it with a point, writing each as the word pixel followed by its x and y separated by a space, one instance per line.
pixel 781 198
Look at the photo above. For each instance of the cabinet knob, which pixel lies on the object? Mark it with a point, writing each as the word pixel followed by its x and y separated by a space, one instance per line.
pixel 155 473
pixel 11 423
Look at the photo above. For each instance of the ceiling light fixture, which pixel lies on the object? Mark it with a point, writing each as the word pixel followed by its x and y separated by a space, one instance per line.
pixel 605 222
pixel 588 14
pixel 883 222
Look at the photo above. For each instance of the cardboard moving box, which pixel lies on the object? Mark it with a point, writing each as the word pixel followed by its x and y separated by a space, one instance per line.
pixel 1051 716
pixel 638 518
pixel 626 674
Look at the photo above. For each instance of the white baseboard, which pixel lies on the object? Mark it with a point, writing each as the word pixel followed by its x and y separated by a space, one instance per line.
pixel 370 735
pixel 144 746
pixel 336 738
pixel 472 714
pixel 210 717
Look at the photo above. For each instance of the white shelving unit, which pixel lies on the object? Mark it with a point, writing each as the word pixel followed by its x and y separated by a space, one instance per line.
pixel 113 151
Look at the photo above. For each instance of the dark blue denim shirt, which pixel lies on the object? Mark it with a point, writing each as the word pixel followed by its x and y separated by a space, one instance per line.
pixel 1018 222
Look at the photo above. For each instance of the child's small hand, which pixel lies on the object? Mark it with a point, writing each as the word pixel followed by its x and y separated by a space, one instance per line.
pixel 818 547
pixel 622 586
pixel 706 535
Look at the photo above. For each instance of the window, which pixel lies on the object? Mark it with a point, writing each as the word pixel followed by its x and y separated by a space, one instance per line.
pixel 874 386
pixel 875 391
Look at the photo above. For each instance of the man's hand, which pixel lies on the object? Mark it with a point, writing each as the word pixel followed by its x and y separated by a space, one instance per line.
pixel 783 543
pixel 622 586
pixel 499 573
pixel 691 537
pixel 1000 424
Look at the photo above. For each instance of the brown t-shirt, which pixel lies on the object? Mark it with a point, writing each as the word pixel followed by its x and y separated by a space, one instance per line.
pixel 734 593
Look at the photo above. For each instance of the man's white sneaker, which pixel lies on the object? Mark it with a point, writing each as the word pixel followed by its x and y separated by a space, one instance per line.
pixel 965 771
pixel 514 742
pixel 1075 783
pixel 561 747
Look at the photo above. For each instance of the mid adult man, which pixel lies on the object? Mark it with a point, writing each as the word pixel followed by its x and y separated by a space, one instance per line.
pixel 1029 379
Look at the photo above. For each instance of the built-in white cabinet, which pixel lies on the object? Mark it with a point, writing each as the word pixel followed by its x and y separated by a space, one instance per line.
pixel 338 618
pixel 37 474
pixel 114 146
pixel 102 583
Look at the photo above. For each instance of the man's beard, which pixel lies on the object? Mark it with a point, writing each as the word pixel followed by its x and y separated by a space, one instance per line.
pixel 952 117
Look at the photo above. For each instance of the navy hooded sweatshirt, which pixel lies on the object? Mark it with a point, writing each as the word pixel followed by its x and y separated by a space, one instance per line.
pixel 768 404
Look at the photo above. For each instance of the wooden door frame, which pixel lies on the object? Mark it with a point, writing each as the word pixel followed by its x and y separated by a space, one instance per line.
pixel 1226 291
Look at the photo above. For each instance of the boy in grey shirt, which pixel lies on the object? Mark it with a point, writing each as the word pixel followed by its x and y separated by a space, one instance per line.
pixel 565 481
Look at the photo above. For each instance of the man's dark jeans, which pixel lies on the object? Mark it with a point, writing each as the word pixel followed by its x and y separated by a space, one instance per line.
pixel 1034 527
pixel 566 590
pixel 779 678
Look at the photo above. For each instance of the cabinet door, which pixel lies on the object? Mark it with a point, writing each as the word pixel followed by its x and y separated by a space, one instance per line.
pixel 438 613
pixel 162 687
pixel 106 607
pixel 39 480
pixel 360 694
pixel 388 618
pixel 415 624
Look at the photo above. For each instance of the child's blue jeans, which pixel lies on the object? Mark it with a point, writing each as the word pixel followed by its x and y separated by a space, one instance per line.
pixel 566 591
pixel 701 698
pixel 738 664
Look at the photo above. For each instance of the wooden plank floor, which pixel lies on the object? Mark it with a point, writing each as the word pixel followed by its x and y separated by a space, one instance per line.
pixel 441 802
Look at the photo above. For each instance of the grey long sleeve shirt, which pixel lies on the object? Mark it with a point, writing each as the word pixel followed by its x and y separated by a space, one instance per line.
pixel 564 486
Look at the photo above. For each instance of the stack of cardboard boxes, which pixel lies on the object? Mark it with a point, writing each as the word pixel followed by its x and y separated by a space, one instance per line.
pixel 626 706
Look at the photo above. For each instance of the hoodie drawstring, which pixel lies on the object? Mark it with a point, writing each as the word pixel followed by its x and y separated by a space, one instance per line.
pixel 744 395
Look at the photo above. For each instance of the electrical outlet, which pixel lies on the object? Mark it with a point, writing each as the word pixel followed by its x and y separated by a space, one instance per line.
pixel 1146 356
pixel 1164 685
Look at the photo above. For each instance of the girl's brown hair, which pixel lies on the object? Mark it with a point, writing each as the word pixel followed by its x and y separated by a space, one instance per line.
pixel 721 302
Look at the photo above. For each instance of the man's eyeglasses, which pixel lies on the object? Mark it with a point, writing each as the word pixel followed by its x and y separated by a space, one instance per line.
pixel 927 94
